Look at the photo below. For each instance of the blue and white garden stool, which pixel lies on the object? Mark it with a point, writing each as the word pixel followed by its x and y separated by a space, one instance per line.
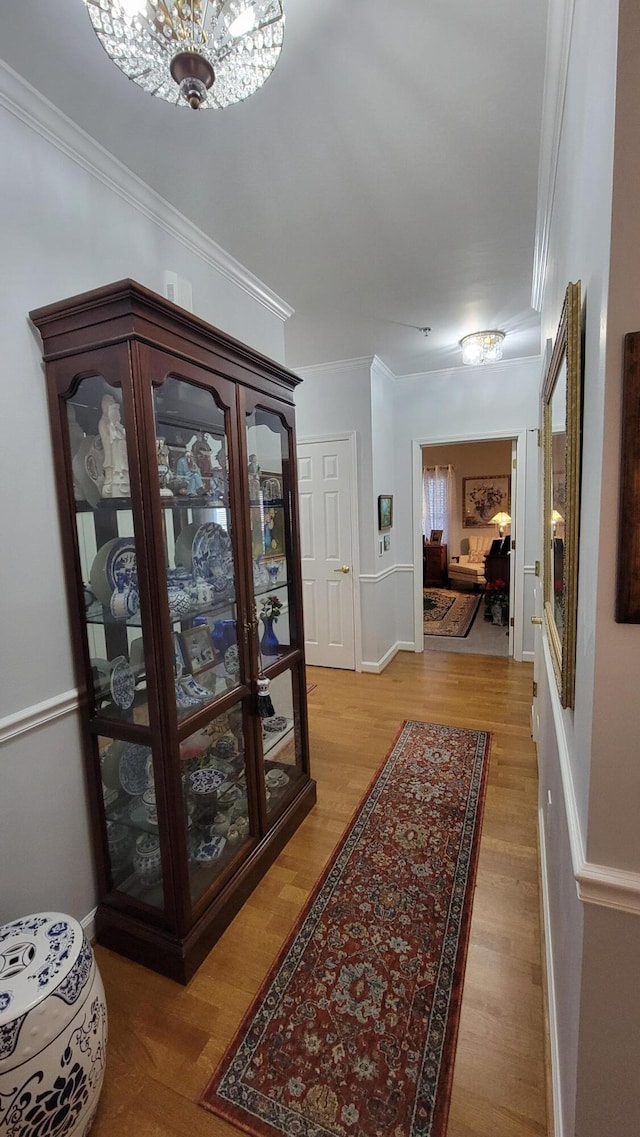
pixel 53 1028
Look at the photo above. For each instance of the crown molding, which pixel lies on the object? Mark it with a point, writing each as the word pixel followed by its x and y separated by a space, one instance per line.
pixel 31 108
pixel 482 369
pixel 378 365
pixel 559 28
pixel 336 366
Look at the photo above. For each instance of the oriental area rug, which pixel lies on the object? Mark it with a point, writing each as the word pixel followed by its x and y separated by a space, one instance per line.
pixel 353 1032
pixel 448 613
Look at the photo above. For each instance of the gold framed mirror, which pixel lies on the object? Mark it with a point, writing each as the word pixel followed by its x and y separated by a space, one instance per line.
pixel 561 430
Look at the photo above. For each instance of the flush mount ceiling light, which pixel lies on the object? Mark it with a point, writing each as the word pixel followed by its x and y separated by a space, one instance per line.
pixel 482 347
pixel 197 53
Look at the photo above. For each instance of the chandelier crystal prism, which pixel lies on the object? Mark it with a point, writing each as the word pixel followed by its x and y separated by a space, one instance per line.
pixel 205 54
pixel 482 347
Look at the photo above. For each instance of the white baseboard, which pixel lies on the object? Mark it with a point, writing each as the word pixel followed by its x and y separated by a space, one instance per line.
pixel 88 923
pixel 554 1048
pixel 376 668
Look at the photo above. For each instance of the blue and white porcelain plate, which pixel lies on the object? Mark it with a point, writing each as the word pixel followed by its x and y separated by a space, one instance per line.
pixel 122 684
pixel 212 555
pixel 133 773
pixel 120 568
pixel 206 781
pixel 114 568
pixel 232 661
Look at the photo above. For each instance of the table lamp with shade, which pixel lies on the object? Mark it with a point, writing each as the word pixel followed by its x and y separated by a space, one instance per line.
pixel 501 520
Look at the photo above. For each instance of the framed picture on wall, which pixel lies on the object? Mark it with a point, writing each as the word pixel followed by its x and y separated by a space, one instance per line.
pixel 385 511
pixel 483 497
pixel 197 648
pixel 628 583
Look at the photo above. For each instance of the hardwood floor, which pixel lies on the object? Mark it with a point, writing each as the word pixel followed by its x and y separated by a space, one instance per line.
pixel 165 1040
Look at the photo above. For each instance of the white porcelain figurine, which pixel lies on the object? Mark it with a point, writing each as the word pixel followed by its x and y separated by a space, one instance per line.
pixel 114 444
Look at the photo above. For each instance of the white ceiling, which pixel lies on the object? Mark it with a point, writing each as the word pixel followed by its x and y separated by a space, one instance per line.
pixel 383 179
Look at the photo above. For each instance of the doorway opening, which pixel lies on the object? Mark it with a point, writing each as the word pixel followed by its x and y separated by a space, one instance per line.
pixel 470 569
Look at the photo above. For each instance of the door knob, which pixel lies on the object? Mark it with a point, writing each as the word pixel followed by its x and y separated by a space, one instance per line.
pixel 536 619
pixel 343 568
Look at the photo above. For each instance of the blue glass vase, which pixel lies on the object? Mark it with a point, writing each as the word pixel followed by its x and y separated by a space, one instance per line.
pixel 269 644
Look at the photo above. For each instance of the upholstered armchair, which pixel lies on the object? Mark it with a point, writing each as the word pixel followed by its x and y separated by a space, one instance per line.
pixel 468 569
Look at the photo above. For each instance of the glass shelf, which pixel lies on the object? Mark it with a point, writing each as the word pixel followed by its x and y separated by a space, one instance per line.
pixel 98 614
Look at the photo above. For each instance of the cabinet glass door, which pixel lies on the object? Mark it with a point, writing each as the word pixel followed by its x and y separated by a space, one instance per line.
pixel 106 537
pixel 193 477
pixel 282 742
pixel 133 842
pixel 269 482
pixel 270 465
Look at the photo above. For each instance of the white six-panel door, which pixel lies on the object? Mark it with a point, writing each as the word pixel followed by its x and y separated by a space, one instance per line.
pixel 324 488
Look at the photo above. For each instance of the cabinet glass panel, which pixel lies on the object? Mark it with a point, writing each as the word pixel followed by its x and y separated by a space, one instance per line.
pixel 214 785
pixel 106 545
pixel 128 789
pixel 281 744
pixel 270 519
pixel 193 482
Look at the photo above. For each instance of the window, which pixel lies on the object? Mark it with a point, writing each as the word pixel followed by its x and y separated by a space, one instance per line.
pixel 437 500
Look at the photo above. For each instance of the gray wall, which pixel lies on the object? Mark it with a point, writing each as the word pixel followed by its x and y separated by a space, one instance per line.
pixel 63 230
pixel 589 757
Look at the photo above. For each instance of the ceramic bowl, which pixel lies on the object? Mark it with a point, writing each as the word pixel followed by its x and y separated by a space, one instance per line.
pixel 146 860
pixel 150 805
pixel 228 795
pixel 179 601
pixel 276 779
pixel 224 746
pixel 274 724
pixel 120 840
pixel 242 825
pixel 124 602
pixel 209 850
pixel 220 824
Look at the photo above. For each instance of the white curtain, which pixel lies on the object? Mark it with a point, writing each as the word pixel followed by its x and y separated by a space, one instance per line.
pixel 438 500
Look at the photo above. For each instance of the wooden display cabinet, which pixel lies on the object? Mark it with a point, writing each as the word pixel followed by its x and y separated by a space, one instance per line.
pixel 176 474
pixel 434 565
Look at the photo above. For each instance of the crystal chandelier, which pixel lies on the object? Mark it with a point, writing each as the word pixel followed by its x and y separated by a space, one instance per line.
pixel 197 53
pixel 482 347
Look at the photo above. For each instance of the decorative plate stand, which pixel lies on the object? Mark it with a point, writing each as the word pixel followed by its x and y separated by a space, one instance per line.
pixel 53 1028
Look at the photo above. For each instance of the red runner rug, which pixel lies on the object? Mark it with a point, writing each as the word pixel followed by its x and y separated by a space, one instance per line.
pixel 353 1032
